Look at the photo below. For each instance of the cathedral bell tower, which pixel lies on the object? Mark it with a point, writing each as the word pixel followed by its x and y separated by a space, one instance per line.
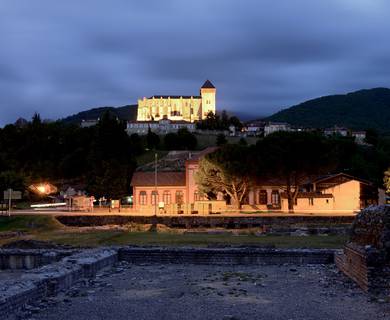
pixel 208 92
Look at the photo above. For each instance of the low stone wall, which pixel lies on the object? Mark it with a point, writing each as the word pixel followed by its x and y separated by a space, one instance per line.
pixel 366 258
pixel 358 263
pixel 226 256
pixel 188 222
pixel 29 259
pixel 50 279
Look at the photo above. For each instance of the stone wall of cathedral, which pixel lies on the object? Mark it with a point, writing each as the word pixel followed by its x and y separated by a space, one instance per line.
pixel 187 108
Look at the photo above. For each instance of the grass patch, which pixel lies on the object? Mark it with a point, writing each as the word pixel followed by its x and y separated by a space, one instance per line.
pixel 98 238
pixel 47 228
pixel 38 223
pixel 148 156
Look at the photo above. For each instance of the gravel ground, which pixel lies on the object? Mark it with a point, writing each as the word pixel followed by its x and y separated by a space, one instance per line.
pixel 212 292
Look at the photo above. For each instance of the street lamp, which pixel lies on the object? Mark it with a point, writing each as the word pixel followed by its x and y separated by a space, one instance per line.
pixel 155 185
pixel 154 196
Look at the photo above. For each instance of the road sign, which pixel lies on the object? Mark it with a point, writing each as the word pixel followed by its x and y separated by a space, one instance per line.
pixel 15 195
pixel 11 195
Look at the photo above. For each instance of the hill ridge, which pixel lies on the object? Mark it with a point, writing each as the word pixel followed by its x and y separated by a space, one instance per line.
pixel 361 109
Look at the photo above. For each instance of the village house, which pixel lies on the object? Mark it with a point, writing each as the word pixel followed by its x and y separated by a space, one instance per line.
pixel 173 190
pixel 335 193
pixel 272 127
pixel 336 131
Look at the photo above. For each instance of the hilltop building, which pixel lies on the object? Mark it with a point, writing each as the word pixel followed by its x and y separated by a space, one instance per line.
pixel 178 108
pixel 162 126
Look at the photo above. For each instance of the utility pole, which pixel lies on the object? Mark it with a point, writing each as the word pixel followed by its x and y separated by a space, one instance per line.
pixel 9 201
pixel 155 185
pixel 154 218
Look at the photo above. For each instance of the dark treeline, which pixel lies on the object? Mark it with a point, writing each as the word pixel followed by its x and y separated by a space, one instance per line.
pixel 100 158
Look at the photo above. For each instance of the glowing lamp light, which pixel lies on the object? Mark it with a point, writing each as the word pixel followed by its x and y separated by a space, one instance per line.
pixel 43 188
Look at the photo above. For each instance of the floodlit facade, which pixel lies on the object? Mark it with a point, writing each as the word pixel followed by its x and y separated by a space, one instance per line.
pixel 176 192
pixel 178 108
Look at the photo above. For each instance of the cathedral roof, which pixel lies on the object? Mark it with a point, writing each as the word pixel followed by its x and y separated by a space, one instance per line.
pixel 174 97
pixel 208 85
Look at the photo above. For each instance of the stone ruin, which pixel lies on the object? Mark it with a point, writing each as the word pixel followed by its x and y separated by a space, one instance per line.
pixel 366 257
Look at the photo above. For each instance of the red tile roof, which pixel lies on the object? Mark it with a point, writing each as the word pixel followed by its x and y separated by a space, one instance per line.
pixel 163 179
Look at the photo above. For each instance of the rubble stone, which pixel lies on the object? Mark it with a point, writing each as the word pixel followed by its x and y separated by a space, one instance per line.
pixel 366 258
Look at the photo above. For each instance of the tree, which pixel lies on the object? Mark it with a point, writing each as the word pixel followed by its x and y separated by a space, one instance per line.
pixel 226 170
pixel 111 180
pixel 171 141
pixel 224 120
pixel 152 140
pixel 111 157
pixel 387 180
pixel 187 140
pixel 295 157
pixel 13 180
pixel 372 137
pixel 221 139
pixel 234 121
pixel 243 142
pixel 216 122
pixel 137 144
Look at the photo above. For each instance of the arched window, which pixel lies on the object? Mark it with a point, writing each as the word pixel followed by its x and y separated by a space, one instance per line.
pixel 167 197
pixel 154 197
pixel 179 197
pixel 143 198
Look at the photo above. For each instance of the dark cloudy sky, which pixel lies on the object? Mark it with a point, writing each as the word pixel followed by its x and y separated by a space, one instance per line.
pixel 61 57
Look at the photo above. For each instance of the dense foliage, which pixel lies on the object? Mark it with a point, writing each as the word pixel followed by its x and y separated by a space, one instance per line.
pixel 387 180
pixel 357 110
pixel 227 171
pixel 182 140
pixel 294 158
pixel 100 158
pixel 216 122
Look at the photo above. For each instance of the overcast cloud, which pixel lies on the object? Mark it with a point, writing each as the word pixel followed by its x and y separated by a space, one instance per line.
pixel 61 57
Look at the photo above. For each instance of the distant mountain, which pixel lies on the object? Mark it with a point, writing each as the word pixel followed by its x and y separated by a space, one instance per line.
pixel 128 112
pixel 358 110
